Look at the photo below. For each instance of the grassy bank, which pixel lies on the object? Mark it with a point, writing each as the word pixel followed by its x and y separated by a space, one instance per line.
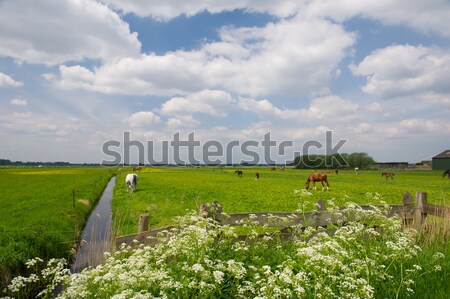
pixel 43 212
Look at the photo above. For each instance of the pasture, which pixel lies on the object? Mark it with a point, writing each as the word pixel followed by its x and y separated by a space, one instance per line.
pixel 166 192
pixel 43 211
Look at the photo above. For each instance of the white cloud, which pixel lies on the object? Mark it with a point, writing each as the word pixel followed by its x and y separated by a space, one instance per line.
pixel 18 102
pixel 52 32
pixel 374 107
pixel 40 124
pixel 167 10
pixel 7 81
pixel 213 102
pixel 401 70
pixel 291 56
pixel 328 109
pixel 265 109
pixel 428 16
pixel 333 107
pixel 416 125
pixel 182 122
pixel 142 118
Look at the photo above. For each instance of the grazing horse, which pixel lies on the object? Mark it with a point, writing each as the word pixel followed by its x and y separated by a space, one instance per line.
pixel 282 168
pixel 447 172
pixel 131 182
pixel 317 177
pixel 239 173
pixel 356 170
pixel 137 168
pixel 336 171
pixel 257 176
pixel 388 175
pixel 273 169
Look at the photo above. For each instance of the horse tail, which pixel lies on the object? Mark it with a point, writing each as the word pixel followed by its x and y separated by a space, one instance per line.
pixel 135 180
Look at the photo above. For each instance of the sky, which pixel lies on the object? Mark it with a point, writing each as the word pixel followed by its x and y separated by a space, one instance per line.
pixel 84 81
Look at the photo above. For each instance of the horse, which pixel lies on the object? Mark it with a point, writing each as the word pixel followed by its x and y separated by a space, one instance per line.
pixel 388 175
pixel 282 168
pixel 273 169
pixel 239 173
pixel 336 171
pixel 356 170
pixel 257 176
pixel 317 177
pixel 137 168
pixel 447 172
pixel 131 182
pixel 328 171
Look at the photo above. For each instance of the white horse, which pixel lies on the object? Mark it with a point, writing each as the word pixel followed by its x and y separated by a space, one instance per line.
pixel 356 170
pixel 131 181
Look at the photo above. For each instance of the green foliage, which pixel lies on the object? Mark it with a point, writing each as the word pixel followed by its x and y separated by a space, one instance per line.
pixel 202 259
pixel 38 216
pixel 345 160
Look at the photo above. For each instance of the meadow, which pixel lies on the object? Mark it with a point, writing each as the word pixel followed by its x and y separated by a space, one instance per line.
pixel 43 210
pixel 166 192
pixel 201 259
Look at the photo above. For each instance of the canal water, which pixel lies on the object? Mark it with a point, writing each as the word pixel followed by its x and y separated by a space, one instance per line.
pixel 97 235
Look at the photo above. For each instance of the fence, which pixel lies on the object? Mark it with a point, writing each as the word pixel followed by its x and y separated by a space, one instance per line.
pixel 412 214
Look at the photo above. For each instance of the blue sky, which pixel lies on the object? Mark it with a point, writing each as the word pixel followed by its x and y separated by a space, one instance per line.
pixel 76 74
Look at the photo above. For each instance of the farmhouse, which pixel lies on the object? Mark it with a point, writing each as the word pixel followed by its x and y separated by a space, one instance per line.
pixel 441 161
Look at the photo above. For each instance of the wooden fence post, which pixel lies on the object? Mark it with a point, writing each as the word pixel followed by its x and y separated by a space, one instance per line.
pixel 143 224
pixel 407 209
pixel 420 214
pixel 319 213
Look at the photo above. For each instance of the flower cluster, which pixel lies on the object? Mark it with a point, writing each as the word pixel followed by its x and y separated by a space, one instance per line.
pixel 202 259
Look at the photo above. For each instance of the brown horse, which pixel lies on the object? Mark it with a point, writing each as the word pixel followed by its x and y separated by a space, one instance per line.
pixel 388 175
pixel 257 176
pixel 137 168
pixel 317 177
pixel 239 173
pixel 282 168
pixel 447 172
pixel 273 169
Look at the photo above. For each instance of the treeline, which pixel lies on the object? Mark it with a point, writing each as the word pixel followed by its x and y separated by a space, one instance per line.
pixel 345 160
pixel 6 162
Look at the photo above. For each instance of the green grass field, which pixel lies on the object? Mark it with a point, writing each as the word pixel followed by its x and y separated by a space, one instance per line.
pixel 167 192
pixel 38 216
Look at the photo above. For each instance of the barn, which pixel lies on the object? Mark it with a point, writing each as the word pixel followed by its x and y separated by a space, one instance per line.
pixel 441 161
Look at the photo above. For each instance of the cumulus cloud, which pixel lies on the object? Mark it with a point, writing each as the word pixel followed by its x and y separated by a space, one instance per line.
pixel 330 108
pixel 265 109
pixel 142 118
pixel 167 10
pixel 213 102
pixel 18 102
pixel 427 16
pixel 7 81
pixel 289 56
pixel 182 122
pixel 401 70
pixel 53 32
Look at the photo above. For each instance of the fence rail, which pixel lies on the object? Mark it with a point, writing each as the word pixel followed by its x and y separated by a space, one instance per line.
pixel 412 215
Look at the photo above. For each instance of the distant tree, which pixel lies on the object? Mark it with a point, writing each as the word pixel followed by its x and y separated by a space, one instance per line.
pixel 361 160
pixel 314 161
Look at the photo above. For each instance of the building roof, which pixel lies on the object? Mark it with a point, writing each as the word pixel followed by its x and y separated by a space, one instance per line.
pixel 444 154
